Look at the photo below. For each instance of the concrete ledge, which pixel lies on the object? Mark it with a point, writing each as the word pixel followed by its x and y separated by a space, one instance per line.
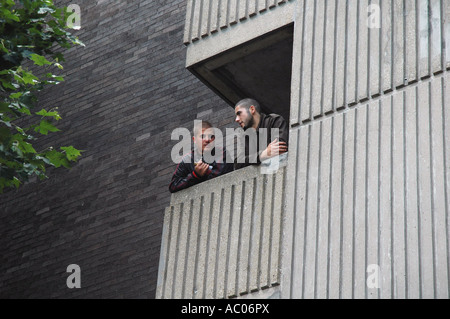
pixel 222 238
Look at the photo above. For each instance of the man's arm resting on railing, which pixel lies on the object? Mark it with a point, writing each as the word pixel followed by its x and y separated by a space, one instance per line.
pixel 273 149
pixel 276 147
pixel 184 178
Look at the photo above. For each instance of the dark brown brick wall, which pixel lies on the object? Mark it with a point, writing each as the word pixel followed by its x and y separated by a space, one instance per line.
pixel 124 94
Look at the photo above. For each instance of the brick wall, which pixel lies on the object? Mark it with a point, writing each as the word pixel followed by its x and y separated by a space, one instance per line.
pixel 124 94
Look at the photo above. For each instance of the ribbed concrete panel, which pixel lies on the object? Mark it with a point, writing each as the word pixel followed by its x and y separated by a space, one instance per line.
pixel 342 62
pixel 370 187
pixel 222 238
pixel 446 31
pixel 205 17
pixel 368 179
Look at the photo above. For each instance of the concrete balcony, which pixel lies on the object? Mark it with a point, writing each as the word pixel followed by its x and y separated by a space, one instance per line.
pixel 368 177
pixel 222 238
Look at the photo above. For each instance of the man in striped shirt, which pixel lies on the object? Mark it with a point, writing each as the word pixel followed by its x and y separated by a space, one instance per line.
pixel 193 168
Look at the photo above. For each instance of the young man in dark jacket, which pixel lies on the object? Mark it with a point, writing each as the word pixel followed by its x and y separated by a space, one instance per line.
pixel 249 117
pixel 194 167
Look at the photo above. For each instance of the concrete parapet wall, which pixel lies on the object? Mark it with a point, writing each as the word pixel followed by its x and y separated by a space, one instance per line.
pixel 222 238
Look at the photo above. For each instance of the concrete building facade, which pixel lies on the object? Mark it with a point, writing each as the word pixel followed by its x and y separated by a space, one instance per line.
pixel 361 208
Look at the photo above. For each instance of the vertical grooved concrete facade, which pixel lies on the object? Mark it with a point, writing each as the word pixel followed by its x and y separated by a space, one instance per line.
pixel 367 183
pixel 370 178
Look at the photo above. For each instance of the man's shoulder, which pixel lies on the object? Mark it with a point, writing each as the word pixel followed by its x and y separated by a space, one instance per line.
pixel 270 119
pixel 275 116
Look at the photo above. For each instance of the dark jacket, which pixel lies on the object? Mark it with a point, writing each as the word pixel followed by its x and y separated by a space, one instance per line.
pixel 185 175
pixel 266 121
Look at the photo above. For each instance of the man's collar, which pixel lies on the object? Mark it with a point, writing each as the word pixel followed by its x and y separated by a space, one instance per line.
pixel 262 116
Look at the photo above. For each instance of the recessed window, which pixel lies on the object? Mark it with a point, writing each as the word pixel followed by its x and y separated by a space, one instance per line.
pixel 260 69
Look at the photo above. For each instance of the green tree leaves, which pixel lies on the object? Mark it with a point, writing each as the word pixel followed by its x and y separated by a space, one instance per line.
pixel 33 31
pixel 45 126
pixel 39 59
pixel 71 153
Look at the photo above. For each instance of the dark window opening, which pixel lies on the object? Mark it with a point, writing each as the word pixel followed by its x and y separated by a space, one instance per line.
pixel 260 69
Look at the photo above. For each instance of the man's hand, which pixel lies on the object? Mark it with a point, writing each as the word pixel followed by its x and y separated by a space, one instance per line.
pixel 201 169
pixel 275 148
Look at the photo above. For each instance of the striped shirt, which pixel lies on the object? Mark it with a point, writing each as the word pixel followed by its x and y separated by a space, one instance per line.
pixel 185 175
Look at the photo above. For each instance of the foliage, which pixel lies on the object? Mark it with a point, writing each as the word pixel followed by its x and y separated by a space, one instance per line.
pixel 34 34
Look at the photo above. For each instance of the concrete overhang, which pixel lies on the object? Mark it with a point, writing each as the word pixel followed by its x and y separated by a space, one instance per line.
pixel 251 59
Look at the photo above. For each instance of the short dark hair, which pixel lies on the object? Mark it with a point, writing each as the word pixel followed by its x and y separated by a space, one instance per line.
pixel 246 103
pixel 205 125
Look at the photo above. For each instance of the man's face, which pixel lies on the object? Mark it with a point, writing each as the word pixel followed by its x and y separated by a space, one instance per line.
pixel 204 140
pixel 244 117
